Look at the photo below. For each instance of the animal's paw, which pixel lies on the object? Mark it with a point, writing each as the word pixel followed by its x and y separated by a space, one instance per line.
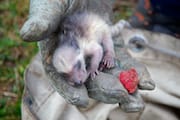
pixel 93 74
pixel 108 61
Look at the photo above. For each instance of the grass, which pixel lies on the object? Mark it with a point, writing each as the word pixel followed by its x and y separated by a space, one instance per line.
pixel 14 57
pixel 15 54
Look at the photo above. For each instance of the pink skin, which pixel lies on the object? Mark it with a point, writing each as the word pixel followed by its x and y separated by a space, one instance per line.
pixel 107 60
pixel 108 47
pixel 97 53
pixel 77 77
pixel 97 42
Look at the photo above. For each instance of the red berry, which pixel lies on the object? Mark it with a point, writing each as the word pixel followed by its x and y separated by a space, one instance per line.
pixel 129 79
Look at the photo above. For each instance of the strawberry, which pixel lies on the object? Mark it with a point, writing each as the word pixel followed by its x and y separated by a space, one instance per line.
pixel 129 79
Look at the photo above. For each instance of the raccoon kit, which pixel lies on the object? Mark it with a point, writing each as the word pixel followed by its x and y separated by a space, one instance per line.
pixel 83 35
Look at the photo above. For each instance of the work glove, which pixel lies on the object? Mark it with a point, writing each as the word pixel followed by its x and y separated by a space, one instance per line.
pixel 42 24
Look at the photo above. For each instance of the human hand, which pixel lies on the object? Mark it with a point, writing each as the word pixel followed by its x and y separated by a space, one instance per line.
pixel 44 19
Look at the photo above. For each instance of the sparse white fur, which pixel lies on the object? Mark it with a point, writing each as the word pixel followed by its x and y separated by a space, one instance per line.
pixel 94 40
pixel 65 58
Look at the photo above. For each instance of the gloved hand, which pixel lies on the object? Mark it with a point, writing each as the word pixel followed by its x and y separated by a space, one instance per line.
pixel 45 16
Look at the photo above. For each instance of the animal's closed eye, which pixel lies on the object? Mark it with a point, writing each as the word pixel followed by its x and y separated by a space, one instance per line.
pixel 78 65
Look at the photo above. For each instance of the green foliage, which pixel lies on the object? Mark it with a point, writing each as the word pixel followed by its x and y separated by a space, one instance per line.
pixel 12 112
pixel 14 57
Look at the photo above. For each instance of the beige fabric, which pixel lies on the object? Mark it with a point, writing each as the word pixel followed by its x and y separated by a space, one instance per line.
pixel 41 101
pixel 164 69
pixel 151 112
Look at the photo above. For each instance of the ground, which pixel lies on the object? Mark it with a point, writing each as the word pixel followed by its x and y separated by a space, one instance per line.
pixel 14 57
pixel 15 54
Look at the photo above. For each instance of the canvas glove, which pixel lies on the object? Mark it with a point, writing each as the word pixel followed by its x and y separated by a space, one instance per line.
pixel 43 21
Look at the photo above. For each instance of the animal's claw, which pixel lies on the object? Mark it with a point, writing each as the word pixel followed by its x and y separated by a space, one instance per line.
pixel 93 74
pixel 108 61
